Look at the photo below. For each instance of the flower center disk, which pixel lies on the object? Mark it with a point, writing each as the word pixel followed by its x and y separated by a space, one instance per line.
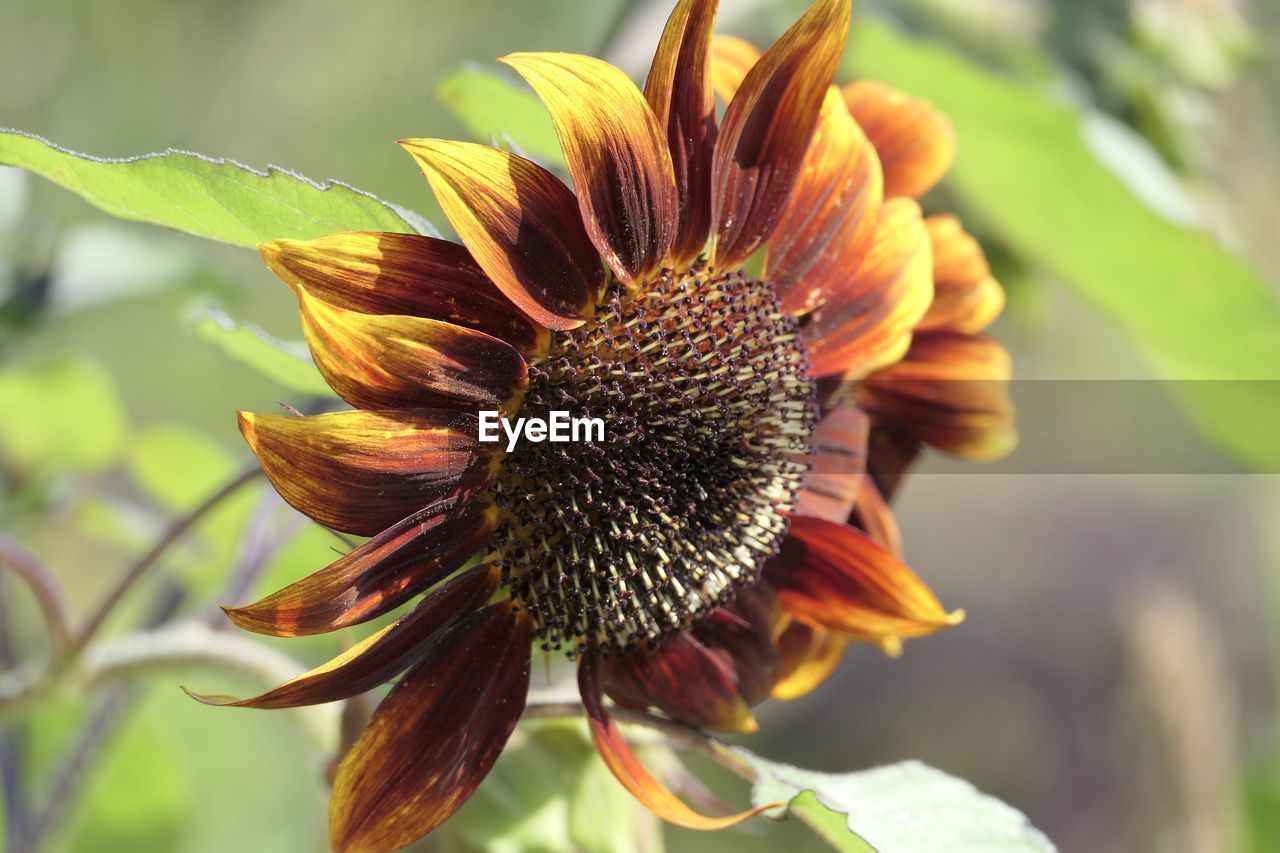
pixel 702 384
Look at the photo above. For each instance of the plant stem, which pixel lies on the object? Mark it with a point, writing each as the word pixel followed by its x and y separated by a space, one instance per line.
pixel 48 592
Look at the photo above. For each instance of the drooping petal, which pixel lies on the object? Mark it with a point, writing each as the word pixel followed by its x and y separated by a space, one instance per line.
pixel 435 737
pixel 840 446
pixel 831 214
pixel 809 657
pixel 865 320
pixel 384 273
pixel 966 297
pixel 686 680
pixel 890 454
pixel 376 576
pixel 743 631
pixel 387 361
pixel 831 576
pixel 383 655
pixel 626 767
pixel 678 90
pixel 915 142
pixel 731 59
pixel 617 155
pixel 950 391
pixel 521 224
pixel 361 472
pixel 767 128
pixel 872 515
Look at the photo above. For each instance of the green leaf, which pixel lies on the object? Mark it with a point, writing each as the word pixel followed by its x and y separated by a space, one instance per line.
pixel 213 198
pixel 493 108
pixel 900 808
pixel 286 362
pixel 1026 169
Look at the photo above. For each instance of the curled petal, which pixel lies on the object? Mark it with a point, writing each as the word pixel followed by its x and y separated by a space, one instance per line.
pixel 376 576
pixel 436 736
pixel 950 391
pixel 731 59
pixel 384 273
pixel 385 361
pixel 840 447
pixel 809 657
pixel 831 576
pixel 742 631
pixel 915 142
pixel 966 297
pixel 521 224
pixel 626 767
pixel 890 454
pixel 383 655
pixel 678 90
pixel 361 472
pixel 872 515
pixel 617 154
pixel 831 214
pixel 767 127
pixel 865 320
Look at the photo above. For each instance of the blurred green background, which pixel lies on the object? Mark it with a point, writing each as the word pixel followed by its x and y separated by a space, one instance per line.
pixel 1116 677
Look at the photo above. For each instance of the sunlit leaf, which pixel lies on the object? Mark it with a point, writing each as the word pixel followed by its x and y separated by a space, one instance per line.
pixel 1025 168
pixel 214 198
pixel 285 362
pixel 900 808
pixel 495 109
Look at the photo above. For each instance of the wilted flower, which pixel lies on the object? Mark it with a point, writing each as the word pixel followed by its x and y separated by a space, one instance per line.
pixel 678 560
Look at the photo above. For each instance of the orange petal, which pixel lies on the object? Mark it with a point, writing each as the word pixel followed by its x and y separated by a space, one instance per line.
pixel 731 59
pixel 966 298
pixel 386 361
pixel 865 320
pixel 376 576
pixel 383 273
pixel 951 391
pixel 361 472
pixel 626 767
pixel 832 576
pixel 521 224
pixel 915 142
pixel 767 128
pixel 872 515
pixel 383 655
pixel 435 737
pixel 617 155
pixel 831 214
pixel 678 90
pixel 835 470
pixel 809 657
pixel 686 680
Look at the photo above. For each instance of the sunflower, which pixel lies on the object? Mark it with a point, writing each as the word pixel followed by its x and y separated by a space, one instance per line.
pixel 721 295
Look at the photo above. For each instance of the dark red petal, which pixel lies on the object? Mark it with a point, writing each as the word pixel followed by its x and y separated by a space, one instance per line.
pixel 767 128
pixel 378 575
pixel 743 631
pixel 383 273
pixel 890 455
pixel 840 447
pixel 361 472
pixel 381 656
pixel 436 736
pixel 871 514
pixel 678 90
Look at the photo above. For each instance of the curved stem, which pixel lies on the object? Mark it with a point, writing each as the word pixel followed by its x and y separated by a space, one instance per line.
pixel 48 592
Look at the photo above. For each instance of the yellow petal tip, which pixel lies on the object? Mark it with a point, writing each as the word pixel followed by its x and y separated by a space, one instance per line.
pixel 955 617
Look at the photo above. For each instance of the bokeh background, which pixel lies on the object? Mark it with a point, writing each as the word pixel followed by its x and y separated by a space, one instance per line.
pixel 1115 679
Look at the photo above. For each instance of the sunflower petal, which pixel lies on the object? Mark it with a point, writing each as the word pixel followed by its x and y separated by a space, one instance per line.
pixel 386 361
pixel 866 321
pixel 361 472
pixel 915 142
pixel 831 214
pixel 617 154
pixel 731 59
pixel 376 576
pixel 383 655
pixel 436 736
pixel 626 767
pixel 831 576
pixel 840 447
pixel 678 90
pixel 521 224
pixel 872 515
pixel 966 298
pixel 950 391
pixel 767 127
pixel 809 657
pixel 384 273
